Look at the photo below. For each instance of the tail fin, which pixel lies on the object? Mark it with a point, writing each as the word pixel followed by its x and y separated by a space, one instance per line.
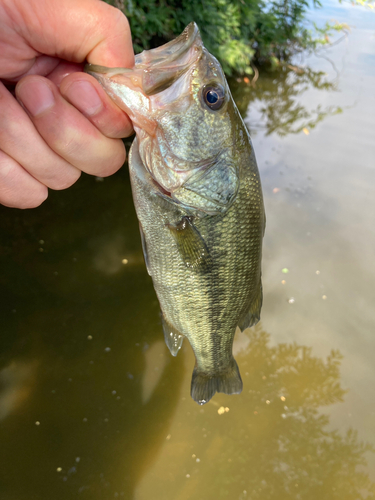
pixel 204 386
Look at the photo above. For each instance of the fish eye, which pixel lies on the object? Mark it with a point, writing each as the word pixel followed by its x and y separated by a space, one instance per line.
pixel 214 96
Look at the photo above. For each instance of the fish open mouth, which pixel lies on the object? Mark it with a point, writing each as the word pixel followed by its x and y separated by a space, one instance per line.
pixel 157 69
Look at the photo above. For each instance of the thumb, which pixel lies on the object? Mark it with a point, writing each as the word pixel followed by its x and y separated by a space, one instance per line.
pixel 76 30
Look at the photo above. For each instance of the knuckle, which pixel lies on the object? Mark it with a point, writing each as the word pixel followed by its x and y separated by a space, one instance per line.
pixel 122 21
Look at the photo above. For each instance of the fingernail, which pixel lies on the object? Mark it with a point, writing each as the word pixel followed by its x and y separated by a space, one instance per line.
pixel 84 97
pixel 36 96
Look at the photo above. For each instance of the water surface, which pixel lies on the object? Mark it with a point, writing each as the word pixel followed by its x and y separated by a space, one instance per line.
pixel 93 406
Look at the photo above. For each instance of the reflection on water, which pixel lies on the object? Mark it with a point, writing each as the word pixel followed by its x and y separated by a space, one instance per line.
pixel 279 98
pixel 92 406
pixel 78 317
pixel 91 396
pixel 16 381
pixel 274 441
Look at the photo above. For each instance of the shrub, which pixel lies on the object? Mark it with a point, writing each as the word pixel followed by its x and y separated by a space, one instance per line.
pixel 237 32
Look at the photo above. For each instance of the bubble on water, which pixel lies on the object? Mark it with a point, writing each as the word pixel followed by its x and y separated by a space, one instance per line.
pixel 89 337
pixel 291 300
pixel 37 422
pixel 268 402
pixel 283 415
pixel 59 469
pixel 283 398
pixel 107 349
pixel 317 272
pixel 188 475
pixel 124 261
pixel 78 459
pixel 324 297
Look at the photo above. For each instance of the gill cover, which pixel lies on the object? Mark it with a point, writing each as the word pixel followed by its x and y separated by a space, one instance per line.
pixel 179 102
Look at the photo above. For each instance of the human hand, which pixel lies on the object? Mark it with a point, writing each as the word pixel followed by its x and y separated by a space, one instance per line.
pixel 60 121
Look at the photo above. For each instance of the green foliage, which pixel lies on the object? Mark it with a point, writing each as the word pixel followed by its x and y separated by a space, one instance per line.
pixel 237 32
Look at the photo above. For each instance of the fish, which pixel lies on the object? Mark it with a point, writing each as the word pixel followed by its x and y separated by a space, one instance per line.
pixel 198 197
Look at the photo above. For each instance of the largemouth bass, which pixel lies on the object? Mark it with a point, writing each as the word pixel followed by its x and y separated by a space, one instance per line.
pixel 198 198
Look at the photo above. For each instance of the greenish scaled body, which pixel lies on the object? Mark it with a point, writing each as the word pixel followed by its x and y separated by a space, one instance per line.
pixel 198 198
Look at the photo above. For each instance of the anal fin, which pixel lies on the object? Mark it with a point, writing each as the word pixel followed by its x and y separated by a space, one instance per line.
pixel 173 338
pixel 252 317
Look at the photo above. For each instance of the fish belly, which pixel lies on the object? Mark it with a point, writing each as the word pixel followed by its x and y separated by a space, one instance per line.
pixel 205 305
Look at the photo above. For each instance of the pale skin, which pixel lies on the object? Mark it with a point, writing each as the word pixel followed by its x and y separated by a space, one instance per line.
pixel 55 120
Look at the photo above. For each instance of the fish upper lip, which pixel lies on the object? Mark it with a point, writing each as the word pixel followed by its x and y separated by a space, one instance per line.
pixel 156 69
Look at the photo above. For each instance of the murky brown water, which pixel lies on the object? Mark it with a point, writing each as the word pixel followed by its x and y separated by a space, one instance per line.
pixel 92 405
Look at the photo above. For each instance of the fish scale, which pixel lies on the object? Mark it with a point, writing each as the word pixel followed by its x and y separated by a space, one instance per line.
pixel 198 199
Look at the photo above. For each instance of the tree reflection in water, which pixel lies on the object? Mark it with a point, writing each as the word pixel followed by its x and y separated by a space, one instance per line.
pixel 62 283
pixel 277 96
pixel 275 443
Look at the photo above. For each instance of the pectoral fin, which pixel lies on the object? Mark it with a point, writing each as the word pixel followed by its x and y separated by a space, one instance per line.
pixel 173 338
pixel 191 245
pixel 253 315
